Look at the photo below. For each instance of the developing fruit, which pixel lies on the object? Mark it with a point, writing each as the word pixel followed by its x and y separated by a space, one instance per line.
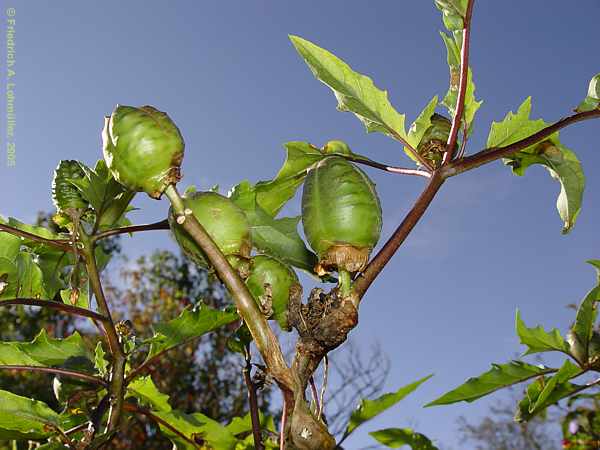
pixel 433 142
pixel 341 215
pixel 270 282
pixel 65 196
pixel 224 221
pixel 143 149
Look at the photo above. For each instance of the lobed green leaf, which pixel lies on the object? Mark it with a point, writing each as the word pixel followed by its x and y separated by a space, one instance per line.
pixel 538 340
pixel 23 418
pixel 498 377
pixel 354 92
pixel 146 391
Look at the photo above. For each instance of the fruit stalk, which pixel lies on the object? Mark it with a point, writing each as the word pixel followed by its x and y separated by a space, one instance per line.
pixel 265 340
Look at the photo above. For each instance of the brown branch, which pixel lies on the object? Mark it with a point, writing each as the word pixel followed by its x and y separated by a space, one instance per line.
pixel 391 169
pixel 63 244
pixel 422 161
pixel 161 225
pixel 145 412
pixel 462 86
pixel 252 401
pixel 263 335
pixel 492 154
pixel 63 307
pixel 57 371
pixel 376 265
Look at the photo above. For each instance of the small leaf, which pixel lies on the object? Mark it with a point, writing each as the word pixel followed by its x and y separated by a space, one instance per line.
pixel 592 100
pixel 566 372
pixel 586 317
pixel 451 97
pixel 146 391
pixel 43 350
pixel 22 418
pixel 398 437
pixel 190 324
pixel 561 163
pixel 420 126
pixel 354 92
pixel 368 409
pixel 100 362
pixel 274 237
pixel 538 340
pixel 596 264
pixel 272 195
pixel 500 376
pixel 453 13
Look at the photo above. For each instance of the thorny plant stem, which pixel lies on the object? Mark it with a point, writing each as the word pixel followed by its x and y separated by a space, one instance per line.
pixel 117 377
pixel 63 307
pixel 266 341
pixel 57 371
pixel 252 401
pixel 63 244
pixel 462 85
pixel 161 225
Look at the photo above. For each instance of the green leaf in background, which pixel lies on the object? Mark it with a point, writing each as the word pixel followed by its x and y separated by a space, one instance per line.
pixel 592 100
pixel 420 125
pixel 596 264
pixel 272 195
pixel 196 425
pixel 368 409
pixel 43 350
pixel 561 163
pixel 23 418
pixel 498 377
pixel 471 105
pixel 146 391
pixel 399 437
pixel 190 324
pixel 539 340
pixel 354 92
pixel 100 362
pixel 274 237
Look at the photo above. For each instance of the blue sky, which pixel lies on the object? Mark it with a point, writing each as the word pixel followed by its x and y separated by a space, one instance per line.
pixel 229 77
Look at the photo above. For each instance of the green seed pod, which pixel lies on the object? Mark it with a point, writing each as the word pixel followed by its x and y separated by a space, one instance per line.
pixel 341 215
pixel 433 142
pixel 143 149
pixel 223 220
pixel 339 147
pixel 271 283
pixel 66 197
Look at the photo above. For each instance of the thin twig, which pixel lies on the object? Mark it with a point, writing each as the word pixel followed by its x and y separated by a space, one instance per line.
pixel 422 161
pixel 77 428
pixel 462 85
pixel 145 412
pixel 313 392
pixel 161 225
pixel 376 265
pixel 492 154
pixel 391 169
pixel 252 401
pixel 283 423
pixel 63 307
pixel 57 371
pixel 266 341
pixel 63 244
pixel 323 387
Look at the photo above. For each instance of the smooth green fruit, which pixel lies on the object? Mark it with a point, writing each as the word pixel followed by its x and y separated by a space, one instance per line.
pixel 143 149
pixel 339 147
pixel 271 283
pixel 433 142
pixel 65 196
pixel 341 215
pixel 224 221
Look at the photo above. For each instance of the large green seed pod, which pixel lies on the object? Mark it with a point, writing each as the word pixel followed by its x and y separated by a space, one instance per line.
pixel 433 143
pixel 341 215
pixel 223 220
pixel 143 149
pixel 271 283
pixel 65 196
